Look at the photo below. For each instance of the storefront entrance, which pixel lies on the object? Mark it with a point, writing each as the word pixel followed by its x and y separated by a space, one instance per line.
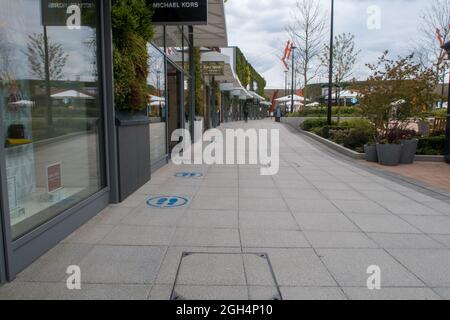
pixel 176 115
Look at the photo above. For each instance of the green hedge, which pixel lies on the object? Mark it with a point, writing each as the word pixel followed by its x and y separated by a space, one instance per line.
pixel 431 145
pixel 322 112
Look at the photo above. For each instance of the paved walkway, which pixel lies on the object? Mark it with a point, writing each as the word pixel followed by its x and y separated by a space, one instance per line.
pixel 309 232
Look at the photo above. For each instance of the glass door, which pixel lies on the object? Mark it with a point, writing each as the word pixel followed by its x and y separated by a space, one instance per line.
pixel 174 94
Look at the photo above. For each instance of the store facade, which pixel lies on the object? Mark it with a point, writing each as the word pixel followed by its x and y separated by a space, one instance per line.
pixel 58 151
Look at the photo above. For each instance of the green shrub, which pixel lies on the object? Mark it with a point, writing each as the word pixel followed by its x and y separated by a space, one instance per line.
pixel 322 112
pixel 132 30
pixel 431 145
pixel 357 138
pixel 312 123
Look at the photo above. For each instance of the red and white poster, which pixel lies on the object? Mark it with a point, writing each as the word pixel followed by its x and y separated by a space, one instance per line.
pixel 54 177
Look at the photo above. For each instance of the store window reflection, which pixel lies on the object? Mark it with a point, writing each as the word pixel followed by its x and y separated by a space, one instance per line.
pixel 157 109
pixel 50 107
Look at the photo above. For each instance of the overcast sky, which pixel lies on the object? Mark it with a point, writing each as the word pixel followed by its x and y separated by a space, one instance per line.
pixel 258 28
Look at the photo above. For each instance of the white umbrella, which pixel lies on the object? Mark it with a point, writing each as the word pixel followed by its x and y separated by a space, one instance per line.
pixel 71 94
pixel 22 103
pixel 289 99
pixel 156 99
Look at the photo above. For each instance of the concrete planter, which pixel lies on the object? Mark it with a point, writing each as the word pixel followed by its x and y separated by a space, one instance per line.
pixel 409 151
pixel 389 154
pixel 133 152
pixel 371 154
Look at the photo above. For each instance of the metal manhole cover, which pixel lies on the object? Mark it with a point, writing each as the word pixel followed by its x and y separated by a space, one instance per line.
pixel 225 276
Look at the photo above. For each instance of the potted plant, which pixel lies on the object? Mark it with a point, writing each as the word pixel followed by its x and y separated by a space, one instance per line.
pixel 370 152
pixel 409 142
pixel 396 92
pixel 132 30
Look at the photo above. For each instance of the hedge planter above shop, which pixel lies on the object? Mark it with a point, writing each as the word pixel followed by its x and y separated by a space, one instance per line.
pixel 133 152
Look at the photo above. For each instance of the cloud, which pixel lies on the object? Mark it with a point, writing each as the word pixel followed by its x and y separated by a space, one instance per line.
pixel 258 28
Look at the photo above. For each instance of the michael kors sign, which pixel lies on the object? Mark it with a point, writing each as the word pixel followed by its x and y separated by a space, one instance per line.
pixel 175 12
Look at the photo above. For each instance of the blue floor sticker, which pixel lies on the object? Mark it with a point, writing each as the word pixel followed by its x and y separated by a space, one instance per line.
pixel 189 175
pixel 167 202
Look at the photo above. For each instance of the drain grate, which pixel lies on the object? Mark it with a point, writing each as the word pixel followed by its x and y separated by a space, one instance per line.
pixel 225 276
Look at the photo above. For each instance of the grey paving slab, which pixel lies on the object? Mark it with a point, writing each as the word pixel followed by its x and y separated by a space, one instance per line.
pixel 169 267
pixel 382 223
pixel 444 239
pixel 214 203
pixel 312 293
pixel 430 224
pixel 405 241
pixel 301 194
pixel 132 201
pixel 212 292
pixel 430 265
pixel 328 239
pixel 231 192
pixel 122 264
pixel 444 293
pixel 307 206
pixel 440 206
pixel 408 207
pixel 59 291
pixel 209 219
pixel 206 237
pixel 89 234
pixel 212 269
pixel 324 222
pixel 343 195
pixel 360 207
pixel 153 217
pixel 262 204
pixel 403 294
pixel 258 271
pixel 258 193
pixel 52 266
pixel 349 267
pixel 261 238
pixel 267 220
pixel 263 293
pixel 160 292
pixel 111 216
pixel 298 267
pixel 139 236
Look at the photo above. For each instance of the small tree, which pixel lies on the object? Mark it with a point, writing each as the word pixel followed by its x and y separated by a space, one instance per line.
pixel 36 54
pixel 397 92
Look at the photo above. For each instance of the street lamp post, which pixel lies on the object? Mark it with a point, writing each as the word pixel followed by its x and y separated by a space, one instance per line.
pixel 330 79
pixel 293 79
pixel 285 82
pixel 446 47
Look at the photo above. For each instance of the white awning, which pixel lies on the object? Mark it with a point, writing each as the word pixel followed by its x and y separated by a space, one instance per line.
pixel 71 94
